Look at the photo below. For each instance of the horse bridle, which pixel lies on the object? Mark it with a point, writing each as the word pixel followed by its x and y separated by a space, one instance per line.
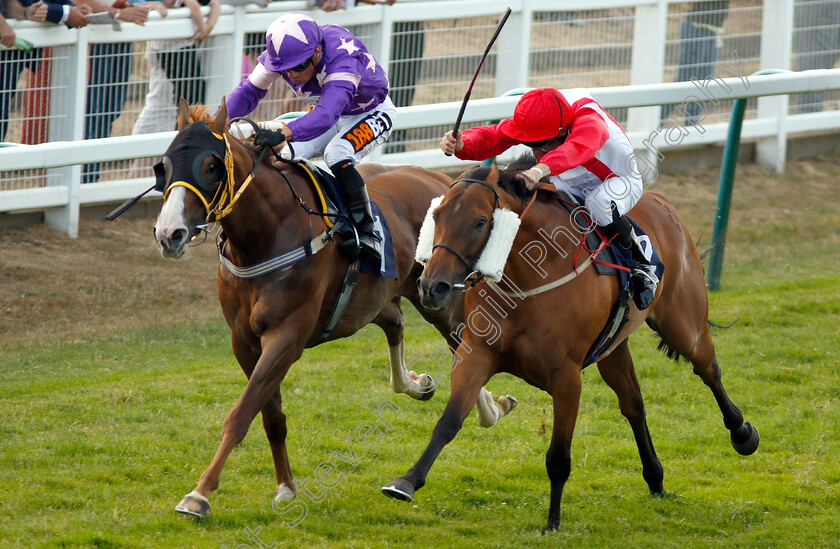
pixel 473 277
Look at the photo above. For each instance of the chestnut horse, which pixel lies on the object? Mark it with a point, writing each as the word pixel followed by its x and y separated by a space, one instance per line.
pixel 545 340
pixel 276 314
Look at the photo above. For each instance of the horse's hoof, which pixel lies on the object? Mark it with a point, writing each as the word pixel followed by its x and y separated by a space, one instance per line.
pixel 512 401
pixel 399 489
pixel 428 388
pixel 194 504
pixel 552 526
pixel 748 446
pixel 283 494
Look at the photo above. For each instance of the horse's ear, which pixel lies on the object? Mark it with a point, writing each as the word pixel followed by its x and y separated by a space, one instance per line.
pixel 183 113
pixel 493 176
pixel 221 122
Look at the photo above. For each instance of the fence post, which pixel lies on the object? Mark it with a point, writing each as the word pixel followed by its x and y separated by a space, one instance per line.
pixel 66 218
pixel 512 60
pixel 776 47
pixel 646 67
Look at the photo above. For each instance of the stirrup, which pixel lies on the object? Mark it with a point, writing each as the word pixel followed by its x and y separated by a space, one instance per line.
pixel 362 243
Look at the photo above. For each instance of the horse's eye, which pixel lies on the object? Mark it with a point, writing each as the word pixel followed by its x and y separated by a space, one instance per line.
pixel 481 223
pixel 211 171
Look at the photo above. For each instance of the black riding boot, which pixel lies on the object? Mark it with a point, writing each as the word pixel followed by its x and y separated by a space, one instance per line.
pixel 643 279
pixel 355 194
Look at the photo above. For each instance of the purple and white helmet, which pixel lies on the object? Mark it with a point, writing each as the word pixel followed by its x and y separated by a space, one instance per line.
pixel 290 40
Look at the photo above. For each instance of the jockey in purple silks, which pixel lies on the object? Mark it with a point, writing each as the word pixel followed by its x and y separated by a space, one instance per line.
pixel 352 116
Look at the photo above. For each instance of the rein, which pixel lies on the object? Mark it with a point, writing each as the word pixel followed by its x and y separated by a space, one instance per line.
pixel 470 281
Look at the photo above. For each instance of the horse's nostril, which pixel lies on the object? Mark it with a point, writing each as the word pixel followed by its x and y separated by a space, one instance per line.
pixel 179 236
pixel 441 289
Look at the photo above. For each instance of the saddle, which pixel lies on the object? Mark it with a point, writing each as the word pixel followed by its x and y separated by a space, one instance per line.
pixel 335 211
pixel 608 259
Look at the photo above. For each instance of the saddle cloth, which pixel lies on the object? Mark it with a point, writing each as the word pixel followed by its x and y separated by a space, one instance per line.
pixel 387 267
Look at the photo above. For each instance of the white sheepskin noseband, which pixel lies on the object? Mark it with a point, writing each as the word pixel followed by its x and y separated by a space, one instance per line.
pixel 492 261
pixel 426 240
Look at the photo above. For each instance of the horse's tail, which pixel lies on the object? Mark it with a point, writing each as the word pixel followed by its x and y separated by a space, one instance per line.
pixel 712 246
pixel 675 356
pixel 714 326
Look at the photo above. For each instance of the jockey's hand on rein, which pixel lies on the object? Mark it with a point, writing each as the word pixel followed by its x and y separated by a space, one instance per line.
pixel 531 177
pixel 268 138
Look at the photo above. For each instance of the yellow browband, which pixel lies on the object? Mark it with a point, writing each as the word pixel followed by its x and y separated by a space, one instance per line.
pixel 216 207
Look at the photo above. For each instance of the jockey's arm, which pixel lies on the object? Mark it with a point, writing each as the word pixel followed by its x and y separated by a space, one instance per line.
pixel 336 96
pixel 483 142
pixel 245 96
pixel 587 134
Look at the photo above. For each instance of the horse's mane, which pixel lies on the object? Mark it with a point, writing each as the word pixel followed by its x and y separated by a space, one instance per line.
pixel 507 176
pixel 200 113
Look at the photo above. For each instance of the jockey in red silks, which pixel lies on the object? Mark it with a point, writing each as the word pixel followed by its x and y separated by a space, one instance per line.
pixel 352 115
pixel 580 149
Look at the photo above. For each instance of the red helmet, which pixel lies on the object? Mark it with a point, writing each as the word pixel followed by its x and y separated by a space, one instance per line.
pixel 538 116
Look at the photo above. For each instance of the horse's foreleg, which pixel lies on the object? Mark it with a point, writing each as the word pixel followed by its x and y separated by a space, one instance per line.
pixel 403 380
pixel 565 392
pixel 278 353
pixel 618 372
pixel 467 381
pixel 274 423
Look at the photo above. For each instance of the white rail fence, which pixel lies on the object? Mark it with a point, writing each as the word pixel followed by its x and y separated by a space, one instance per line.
pixel 634 65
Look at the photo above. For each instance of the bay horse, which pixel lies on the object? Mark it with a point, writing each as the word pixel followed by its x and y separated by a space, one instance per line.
pixel 545 339
pixel 208 174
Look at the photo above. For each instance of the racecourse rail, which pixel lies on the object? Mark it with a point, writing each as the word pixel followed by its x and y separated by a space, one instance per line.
pixel 63 196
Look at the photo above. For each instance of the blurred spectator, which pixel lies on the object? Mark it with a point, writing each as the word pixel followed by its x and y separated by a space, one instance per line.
pixel 110 67
pixel 180 58
pixel 816 43
pixel 14 61
pixel 700 40
pixel 175 72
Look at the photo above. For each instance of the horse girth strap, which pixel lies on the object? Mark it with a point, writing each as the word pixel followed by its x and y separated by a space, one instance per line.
pixel 287 259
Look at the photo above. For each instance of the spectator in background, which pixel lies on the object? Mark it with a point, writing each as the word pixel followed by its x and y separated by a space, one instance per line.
pixel 180 58
pixel 816 43
pixel 408 41
pixel 175 72
pixel 14 61
pixel 110 67
pixel 700 40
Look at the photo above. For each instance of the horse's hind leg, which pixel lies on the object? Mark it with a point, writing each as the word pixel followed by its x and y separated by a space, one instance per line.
pixel 618 372
pixel 420 387
pixel 686 337
pixel 491 408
